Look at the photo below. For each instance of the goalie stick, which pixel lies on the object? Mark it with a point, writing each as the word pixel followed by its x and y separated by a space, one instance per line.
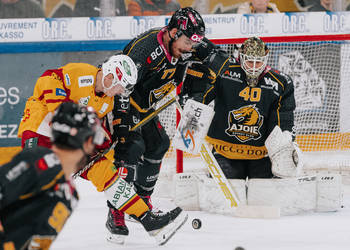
pixel 231 198
pixel 140 124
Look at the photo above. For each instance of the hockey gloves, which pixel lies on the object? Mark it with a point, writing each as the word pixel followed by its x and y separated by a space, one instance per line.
pixel 122 133
pixel 198 80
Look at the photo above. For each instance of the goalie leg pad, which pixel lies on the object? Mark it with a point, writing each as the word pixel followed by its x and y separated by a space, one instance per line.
pixel 329 192
pixel 186 191
pixel 199 192
pixel 211 200
pixel 292 195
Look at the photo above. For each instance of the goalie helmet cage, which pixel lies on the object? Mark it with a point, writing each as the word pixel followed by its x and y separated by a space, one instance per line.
pixel 320 68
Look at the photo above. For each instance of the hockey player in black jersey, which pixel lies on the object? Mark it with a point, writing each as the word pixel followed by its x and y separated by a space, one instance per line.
pixel 36 192
pixel 161 56
pixel 251 98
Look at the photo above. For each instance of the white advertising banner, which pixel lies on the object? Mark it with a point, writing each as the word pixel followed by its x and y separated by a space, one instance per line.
pixel 218 26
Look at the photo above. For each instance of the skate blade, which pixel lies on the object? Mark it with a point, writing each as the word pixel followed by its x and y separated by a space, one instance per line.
pixel 116 238
pixel 164 234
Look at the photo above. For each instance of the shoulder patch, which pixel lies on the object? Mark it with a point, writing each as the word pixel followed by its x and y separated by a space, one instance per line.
pixel 66 76
pixel 85 81
pixel 60 92
pixel 17 170
pixel 84 101
pixel 287 77
pixel 104 108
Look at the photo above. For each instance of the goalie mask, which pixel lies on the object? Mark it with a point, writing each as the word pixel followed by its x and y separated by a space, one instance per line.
pixel 253 58
pixel 73 124
pixel 124 72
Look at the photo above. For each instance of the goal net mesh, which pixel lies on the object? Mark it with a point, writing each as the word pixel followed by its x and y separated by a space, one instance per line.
pixel 321 74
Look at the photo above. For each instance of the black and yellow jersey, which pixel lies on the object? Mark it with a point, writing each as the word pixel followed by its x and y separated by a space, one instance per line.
pixel 159 72
pixel 245 116
pixel 35 199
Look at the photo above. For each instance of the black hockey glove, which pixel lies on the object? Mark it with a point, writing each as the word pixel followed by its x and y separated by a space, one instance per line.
pixel 180 72
pixel 122 133
pixel 217 62
pixel 203 49
pixel 197 82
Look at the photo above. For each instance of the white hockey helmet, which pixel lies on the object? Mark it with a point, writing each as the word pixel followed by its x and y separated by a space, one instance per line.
pixel 253 59
pixel 124 71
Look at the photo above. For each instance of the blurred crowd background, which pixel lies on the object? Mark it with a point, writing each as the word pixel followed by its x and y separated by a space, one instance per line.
pixel 95 8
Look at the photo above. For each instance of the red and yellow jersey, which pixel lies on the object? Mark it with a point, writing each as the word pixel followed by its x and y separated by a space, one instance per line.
pixel 72 82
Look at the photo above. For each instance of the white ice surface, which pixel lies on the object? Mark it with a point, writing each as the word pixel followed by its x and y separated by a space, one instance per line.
pixel 85 229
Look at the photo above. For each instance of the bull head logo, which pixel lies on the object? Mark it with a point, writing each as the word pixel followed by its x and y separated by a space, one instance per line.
pixel 244 123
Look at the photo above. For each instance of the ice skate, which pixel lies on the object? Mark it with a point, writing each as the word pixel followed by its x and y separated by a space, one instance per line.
pixel 163 227
pixel 117 230
pixel 147 200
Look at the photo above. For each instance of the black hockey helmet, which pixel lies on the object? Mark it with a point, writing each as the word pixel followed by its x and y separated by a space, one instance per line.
pixel 188 22
pixel 73 124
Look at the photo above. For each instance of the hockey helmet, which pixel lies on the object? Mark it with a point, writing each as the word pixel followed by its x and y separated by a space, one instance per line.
pixel 73 124
pixel 188 22
pixel 124 71
pixel 253 58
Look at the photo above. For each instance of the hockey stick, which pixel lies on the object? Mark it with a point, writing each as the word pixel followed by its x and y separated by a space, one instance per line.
pixel 138 125
pixel 231 198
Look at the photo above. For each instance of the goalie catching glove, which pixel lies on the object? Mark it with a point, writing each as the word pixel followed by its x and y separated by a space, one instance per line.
pixel 285 155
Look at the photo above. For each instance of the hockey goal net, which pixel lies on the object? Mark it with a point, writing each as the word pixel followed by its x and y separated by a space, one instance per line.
pixel 320 69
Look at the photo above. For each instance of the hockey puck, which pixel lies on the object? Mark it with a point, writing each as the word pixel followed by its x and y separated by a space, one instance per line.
pixel 239 248
pixel 196 223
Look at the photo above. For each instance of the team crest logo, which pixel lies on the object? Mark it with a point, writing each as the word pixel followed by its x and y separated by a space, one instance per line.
pixel 244 123
pixel 127 67
pixel 84 101
pixel 158 94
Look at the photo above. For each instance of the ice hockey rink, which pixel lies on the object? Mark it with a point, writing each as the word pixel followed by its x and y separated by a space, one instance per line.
pixel 85 229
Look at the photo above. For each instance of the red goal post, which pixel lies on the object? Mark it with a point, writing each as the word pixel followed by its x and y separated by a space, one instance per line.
pixel 320 68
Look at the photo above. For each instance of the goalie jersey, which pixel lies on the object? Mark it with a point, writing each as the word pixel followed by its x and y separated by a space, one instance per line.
pixel 35 199
pixel 245 116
